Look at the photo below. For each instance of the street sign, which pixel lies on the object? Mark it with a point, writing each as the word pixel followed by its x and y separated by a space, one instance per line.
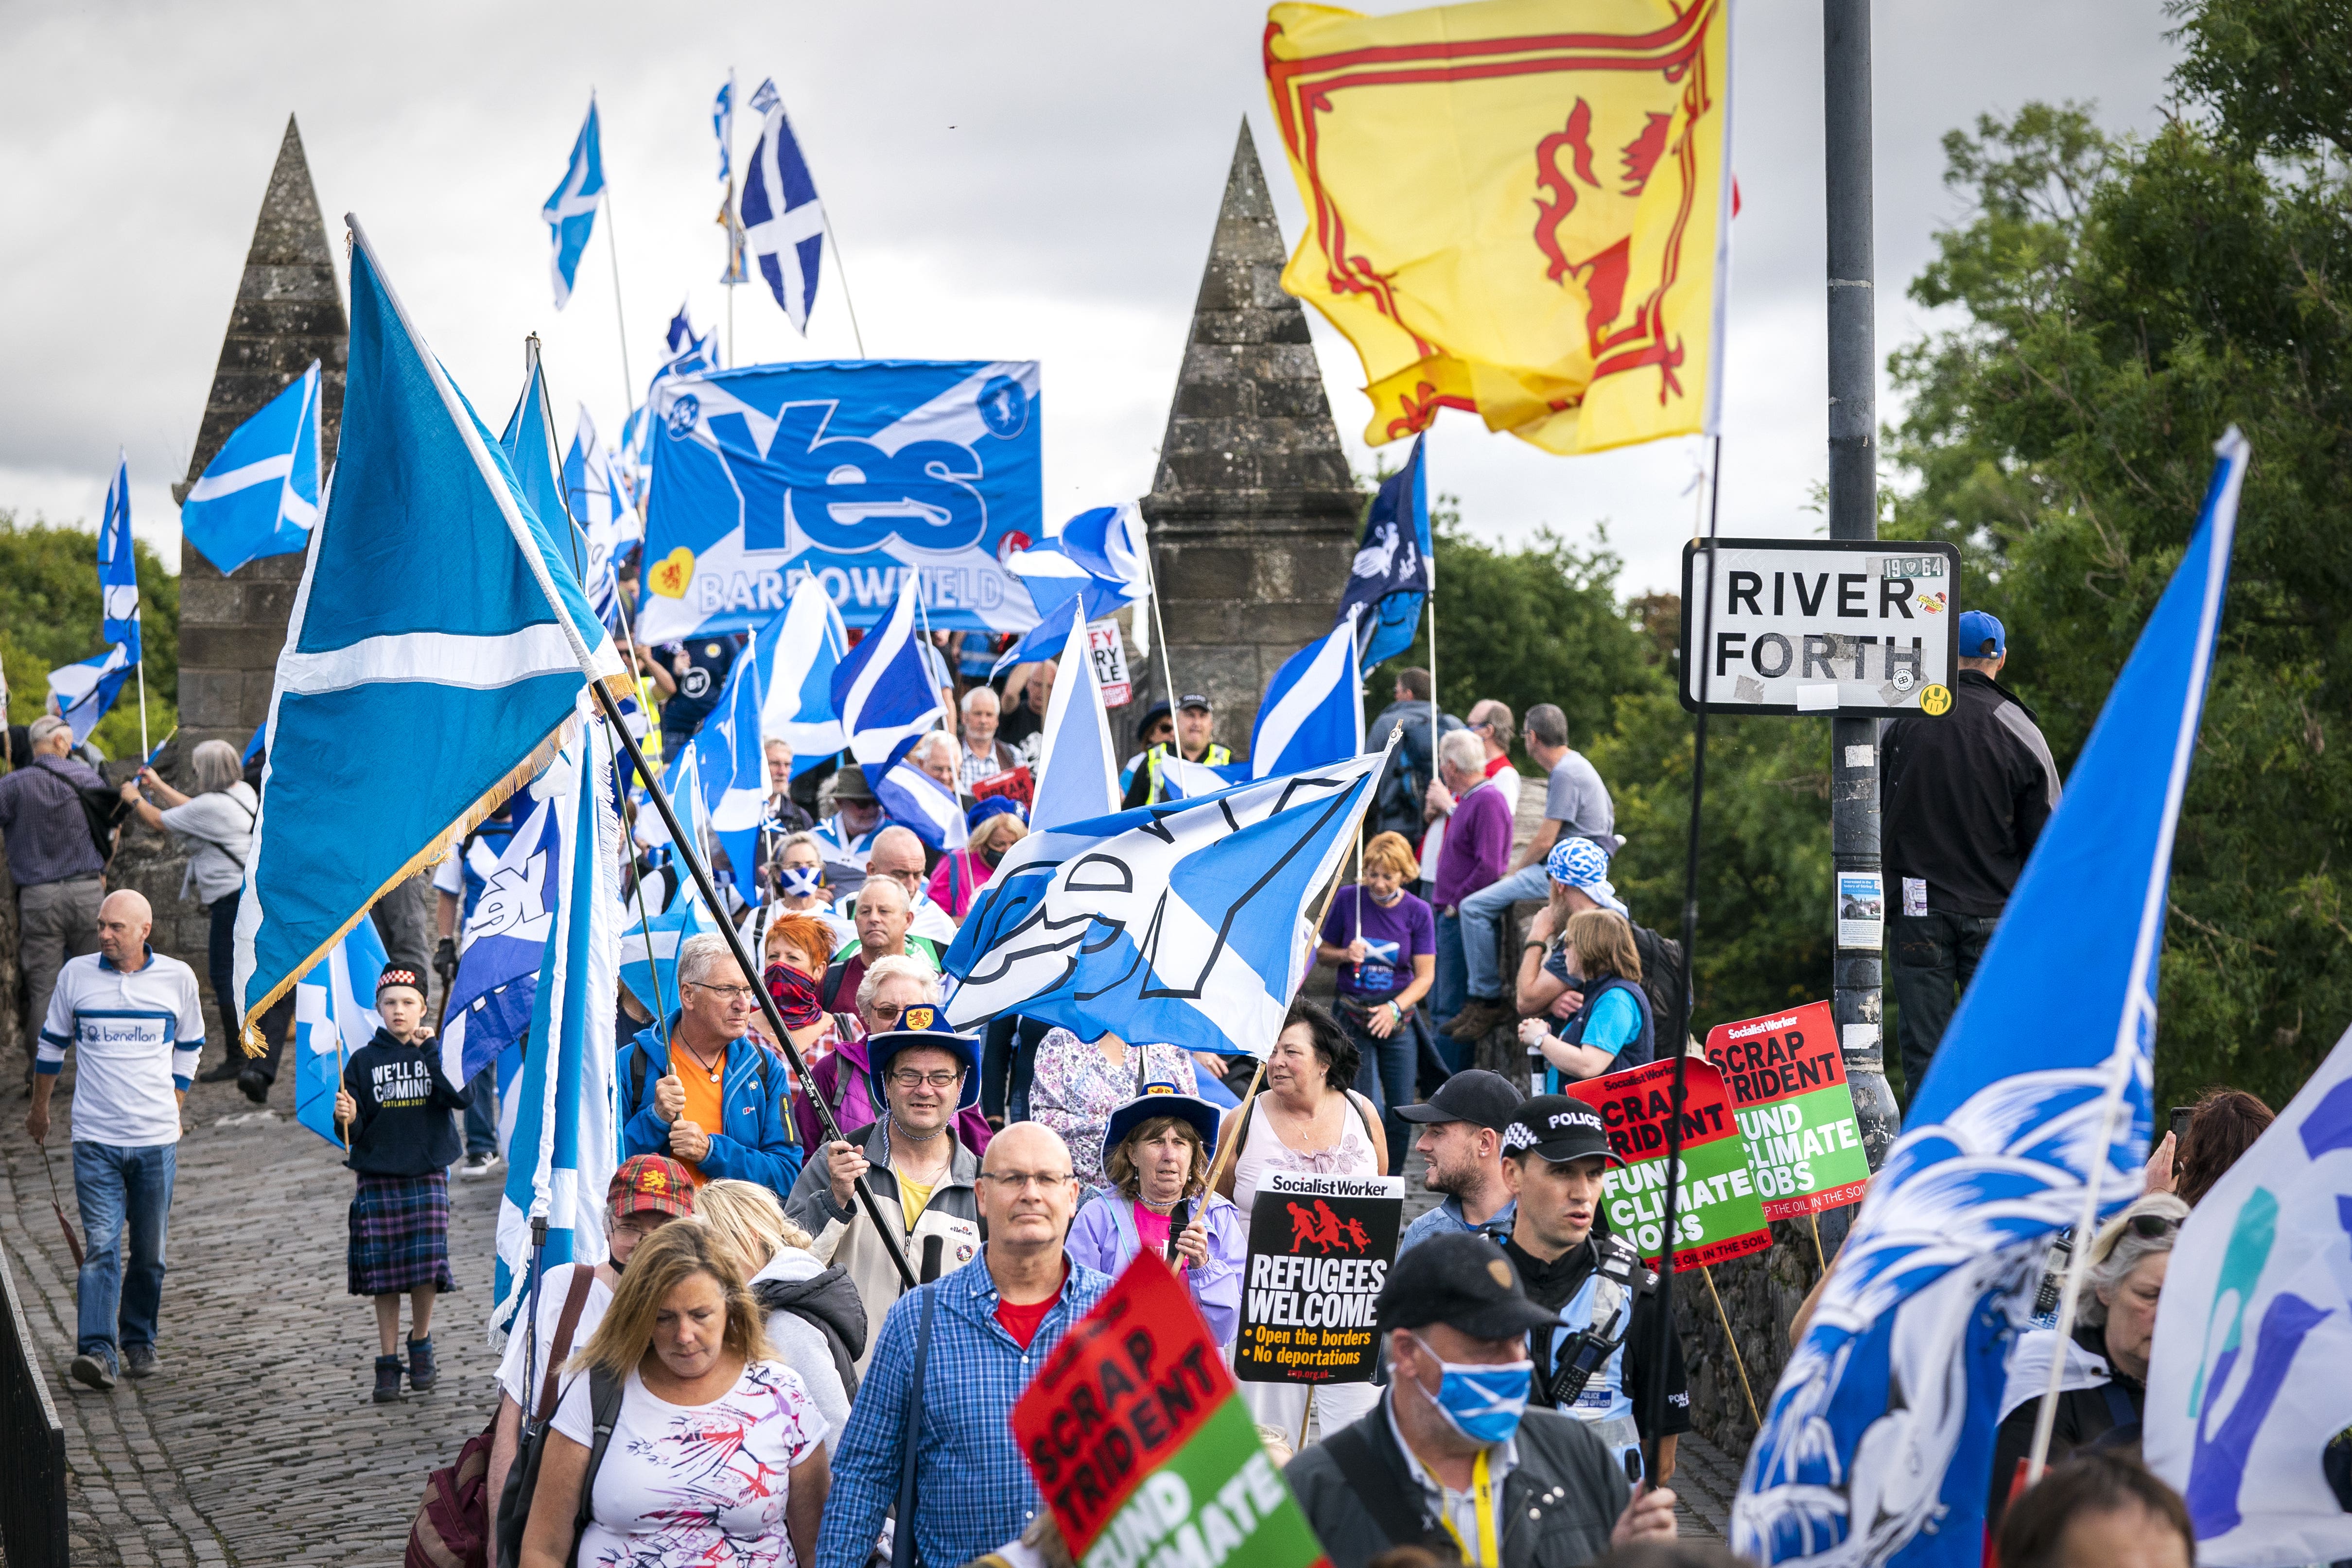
pixel 1854 627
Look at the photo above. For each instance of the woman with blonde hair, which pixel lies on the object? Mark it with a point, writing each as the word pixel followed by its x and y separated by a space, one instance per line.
pixel 815 1319
pixel 1384 941
pixel 996 824
pixel 1608 1027
pixel 711 1450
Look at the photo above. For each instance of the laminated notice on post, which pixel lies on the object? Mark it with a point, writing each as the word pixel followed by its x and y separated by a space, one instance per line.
pixel 1319 1250
pixel 1861 910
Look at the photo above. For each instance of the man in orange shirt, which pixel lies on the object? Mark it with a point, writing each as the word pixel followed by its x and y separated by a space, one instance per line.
pixel 699 1087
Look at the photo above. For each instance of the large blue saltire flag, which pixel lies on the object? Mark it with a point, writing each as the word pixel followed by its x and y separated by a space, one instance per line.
pixel 1394 573
pixel 259 495
pixel 2247 1415
pixel 783 222
pixel 797 653
pixel 118 566
pixel 734 770
pixel 499 950
pixel 1099 559
pixel 858 474
pixel 1314 709
pixel 1877 1447
pixel 1078 771
pixel 570 211
pixel 566 1135
pixel 883 692
pixel 1183 921
pixel 335 1014
pixel 916 801
pixel 85 690
pixel 472 666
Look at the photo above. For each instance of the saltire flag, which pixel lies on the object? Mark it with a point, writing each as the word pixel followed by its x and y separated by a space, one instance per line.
pixel 679 335
pixel 570 211
pixel 84 690
pixel 1520 208
pixel 259 495
pixel 884 693
pixel 683 784
pixel 649 947
pixel 605 521
pixel 1047 639
pixel 1181 922
pixel 1100 557
pixel 1877 1447
pixel 1204 1489
pixel 916 801
pixel 722 125
pixel 475 669
pixel 797 653
pixel 734 771
pixel 1184 780
pixel 528 445
pixel 335 1014
pixel 565 1140
pixel 1314 709
pixel 2246 1416
pixel 118 565
pixel 499 952
pixel 1394 573
pixel 783 222
pixel 1078 771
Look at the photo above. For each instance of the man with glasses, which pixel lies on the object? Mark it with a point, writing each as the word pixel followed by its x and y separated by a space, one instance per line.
pixel 696 1087
pixel 921 1073
pixel 981 1333
pixel 898 856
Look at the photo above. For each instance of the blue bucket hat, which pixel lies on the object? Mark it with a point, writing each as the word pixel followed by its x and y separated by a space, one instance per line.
pixel 920 1026
pixel 1160 1100
pixel 994 806
pixel 1581 864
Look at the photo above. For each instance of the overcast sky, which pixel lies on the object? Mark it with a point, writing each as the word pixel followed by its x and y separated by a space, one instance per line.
pixel 1008 182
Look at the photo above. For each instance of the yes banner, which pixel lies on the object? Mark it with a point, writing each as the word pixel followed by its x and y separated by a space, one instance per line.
pixel 855 473
pixel 1717 1216
pixel 1787 1080
pixel 1142 1446
pixel 1319 1250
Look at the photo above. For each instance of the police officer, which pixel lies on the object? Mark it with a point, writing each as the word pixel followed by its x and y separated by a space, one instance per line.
pixel 1195 722
pixel 1556 1155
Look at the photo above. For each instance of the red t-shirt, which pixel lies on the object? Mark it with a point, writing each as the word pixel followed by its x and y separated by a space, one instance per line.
pixel 1023 1320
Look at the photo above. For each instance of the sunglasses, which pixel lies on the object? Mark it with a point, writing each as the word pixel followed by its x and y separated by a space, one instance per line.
pixel 2152 1227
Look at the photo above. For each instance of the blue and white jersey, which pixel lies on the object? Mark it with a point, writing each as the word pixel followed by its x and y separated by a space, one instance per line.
pixel 840 846
pixel 139 1034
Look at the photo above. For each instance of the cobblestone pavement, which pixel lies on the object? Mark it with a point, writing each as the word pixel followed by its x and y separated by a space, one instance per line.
pixel 257 1443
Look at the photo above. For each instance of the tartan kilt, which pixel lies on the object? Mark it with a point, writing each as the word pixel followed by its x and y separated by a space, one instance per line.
pixel 400 1235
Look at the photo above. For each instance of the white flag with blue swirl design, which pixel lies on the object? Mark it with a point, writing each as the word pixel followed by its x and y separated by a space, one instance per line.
pixel 1878 1444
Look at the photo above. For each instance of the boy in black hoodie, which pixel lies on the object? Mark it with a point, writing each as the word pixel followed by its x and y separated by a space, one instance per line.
pixel 394 1104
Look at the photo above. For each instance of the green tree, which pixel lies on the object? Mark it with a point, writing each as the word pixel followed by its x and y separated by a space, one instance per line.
pixel 2120 301
pixel 49 616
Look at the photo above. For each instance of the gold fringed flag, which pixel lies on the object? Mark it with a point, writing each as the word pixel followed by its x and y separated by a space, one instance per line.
pixel 1519 208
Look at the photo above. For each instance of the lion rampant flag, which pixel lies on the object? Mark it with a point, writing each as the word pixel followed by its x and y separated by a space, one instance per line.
pixel 1519 207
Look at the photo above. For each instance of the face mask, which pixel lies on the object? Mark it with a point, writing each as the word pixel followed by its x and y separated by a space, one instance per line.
pixel 801 882
pixel 1484 1403
pixel 992 855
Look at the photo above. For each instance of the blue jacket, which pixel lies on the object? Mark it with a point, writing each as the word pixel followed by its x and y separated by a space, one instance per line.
pixel 756 1144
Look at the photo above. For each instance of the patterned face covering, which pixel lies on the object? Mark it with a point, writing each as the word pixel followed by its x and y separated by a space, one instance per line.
pixel 794 994
pixel 801 881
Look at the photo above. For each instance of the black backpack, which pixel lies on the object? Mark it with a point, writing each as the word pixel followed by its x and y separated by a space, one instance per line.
pixel 104 810
pixel 1665 980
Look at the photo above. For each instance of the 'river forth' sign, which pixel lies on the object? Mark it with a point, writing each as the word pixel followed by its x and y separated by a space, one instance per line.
pixel 1856 627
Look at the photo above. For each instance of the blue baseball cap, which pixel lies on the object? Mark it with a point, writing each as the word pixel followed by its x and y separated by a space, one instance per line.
pixel 1977 628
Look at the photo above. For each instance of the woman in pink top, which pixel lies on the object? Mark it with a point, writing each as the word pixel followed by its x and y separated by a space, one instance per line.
pixel 996 825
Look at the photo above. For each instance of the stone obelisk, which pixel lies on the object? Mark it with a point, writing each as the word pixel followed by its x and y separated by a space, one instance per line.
pixel 1254 513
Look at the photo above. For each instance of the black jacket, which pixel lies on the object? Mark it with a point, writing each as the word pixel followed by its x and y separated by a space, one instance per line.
pixel 1558 1505
pixel 2084 1416
pixel 1397 800
pixel 1966 797
pixel 403 1127
pixel 828 1303
pixel 1554 1286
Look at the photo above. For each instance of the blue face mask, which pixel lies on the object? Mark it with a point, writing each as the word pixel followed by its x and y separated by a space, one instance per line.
pixel 1483 1402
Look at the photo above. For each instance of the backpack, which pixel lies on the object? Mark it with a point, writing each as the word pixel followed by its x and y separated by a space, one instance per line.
pixel 522 1476
pixel 1665 980
pixel 103 810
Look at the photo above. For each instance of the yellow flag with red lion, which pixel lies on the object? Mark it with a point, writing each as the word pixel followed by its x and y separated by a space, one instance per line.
pixel 1519 208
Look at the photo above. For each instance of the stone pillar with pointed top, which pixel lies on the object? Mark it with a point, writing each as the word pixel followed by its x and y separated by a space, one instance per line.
pixel 1253 512
pixel 289 311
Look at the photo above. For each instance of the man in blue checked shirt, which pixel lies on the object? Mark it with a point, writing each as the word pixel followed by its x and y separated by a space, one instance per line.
pixel 136 1024
pixel 989 1329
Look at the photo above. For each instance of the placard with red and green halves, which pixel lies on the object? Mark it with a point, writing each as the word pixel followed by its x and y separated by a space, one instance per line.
pixel 1141 1445
pixel 1787 1080
pixel 1717 1215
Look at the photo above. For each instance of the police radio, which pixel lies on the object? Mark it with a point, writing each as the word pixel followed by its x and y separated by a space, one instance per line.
pixel 1617 1274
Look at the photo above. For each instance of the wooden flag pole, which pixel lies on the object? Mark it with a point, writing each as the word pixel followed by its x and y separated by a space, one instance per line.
pixel 1738 1365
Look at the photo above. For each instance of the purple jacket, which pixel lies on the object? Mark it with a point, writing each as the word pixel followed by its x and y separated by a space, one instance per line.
pixel 1103 1238
pixel 1477 846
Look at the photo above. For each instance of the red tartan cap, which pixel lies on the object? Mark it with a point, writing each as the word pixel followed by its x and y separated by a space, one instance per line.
pixel 650 1183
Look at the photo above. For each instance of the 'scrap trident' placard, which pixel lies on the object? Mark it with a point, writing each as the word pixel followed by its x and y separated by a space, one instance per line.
pixel 1787 1080
pixel 1143 1446
pixel 1716 1217
pixel 1319 1250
